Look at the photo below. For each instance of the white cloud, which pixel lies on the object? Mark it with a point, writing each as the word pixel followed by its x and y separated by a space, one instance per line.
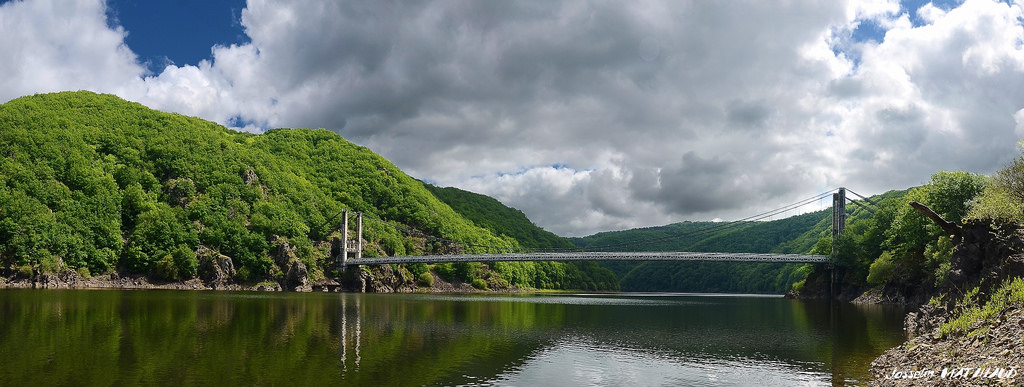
pixel 938 96
pixel 61 45
pixel 929 13
pixel 651 112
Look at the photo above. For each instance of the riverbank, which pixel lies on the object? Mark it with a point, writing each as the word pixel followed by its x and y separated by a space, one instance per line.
pixel 73 280
pixel 969 332
pixel 976 346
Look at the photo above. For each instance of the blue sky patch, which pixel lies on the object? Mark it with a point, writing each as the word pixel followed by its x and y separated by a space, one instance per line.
pixel 180 32
pixel 869 30
pixel 237 121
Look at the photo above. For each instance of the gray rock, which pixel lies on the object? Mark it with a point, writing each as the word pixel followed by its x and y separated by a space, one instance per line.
pixel 296 275
pixel 215 269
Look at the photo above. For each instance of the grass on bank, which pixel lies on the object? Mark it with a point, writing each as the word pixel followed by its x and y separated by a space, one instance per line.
pixel 972 318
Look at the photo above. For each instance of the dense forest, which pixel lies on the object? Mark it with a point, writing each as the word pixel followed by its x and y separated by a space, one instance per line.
pixel 95 184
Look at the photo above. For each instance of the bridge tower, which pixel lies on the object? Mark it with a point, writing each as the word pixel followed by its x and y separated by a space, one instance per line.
pixel 355 248
pixel 838 224
pixel 838 218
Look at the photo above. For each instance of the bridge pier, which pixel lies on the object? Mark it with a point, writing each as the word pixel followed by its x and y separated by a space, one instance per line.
pixel 349 247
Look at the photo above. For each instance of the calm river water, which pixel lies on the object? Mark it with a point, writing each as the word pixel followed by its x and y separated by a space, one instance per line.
pixel 105 337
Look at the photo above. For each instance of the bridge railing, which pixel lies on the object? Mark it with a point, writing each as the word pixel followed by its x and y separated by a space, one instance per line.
pixel 355 246
pixel 596 256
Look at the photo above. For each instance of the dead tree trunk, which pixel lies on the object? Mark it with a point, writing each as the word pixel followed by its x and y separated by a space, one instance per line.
pixel 949 227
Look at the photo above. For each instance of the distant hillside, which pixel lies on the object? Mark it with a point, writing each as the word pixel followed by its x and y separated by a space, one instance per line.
pixel 96 184
pixel 505 221
pixel 795 235
pixel 500 219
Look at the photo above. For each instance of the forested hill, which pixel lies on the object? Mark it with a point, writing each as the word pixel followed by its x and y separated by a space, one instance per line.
pixel 796 234
pixel 778 236
pixel 96 184
pixel 500 219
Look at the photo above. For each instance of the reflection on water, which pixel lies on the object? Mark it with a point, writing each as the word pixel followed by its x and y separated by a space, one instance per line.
pixel 581 363
pixel 173 338
pixel 357 337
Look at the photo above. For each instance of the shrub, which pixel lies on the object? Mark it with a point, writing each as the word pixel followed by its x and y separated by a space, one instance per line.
pixel 425 279
pixel 243 274
pixel 1011 179
pixel 446 270
pixel 881 270
pixel 185 262
pixel 165 269
pixel 942 273
pixel 996 203
pixel 465 271
pixel 26 271
pixel 480 284
pixel 417 268
pixel 938 255
pixel 134 259
pixel 496 282
pixel 50 264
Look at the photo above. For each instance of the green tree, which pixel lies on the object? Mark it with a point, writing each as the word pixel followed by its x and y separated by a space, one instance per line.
pixel 950 193
pixel 917 245
pixel 1003 199
pixel 159 232
pixel 881 270
pixel 1011 179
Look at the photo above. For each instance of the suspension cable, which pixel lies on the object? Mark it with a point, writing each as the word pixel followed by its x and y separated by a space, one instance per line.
pixel 413 232
pixel 718 226
pixel 864 198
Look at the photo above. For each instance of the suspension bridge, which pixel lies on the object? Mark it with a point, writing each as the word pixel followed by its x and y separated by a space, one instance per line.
pixel 351 251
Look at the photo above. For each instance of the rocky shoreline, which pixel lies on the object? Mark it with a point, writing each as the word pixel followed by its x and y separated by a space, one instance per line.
pixel 72 280
pixel 216 273
pixel 993 358
pixel 987 352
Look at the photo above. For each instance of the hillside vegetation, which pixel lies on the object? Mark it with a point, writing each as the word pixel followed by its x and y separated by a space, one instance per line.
pixel 500 219
pixel 796 234
pixel 897 246
pixel 95 184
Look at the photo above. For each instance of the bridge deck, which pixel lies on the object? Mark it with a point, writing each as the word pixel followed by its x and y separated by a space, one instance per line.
pixel 595 256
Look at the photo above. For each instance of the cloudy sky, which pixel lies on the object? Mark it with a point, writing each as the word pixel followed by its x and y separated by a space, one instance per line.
pixel 586 115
